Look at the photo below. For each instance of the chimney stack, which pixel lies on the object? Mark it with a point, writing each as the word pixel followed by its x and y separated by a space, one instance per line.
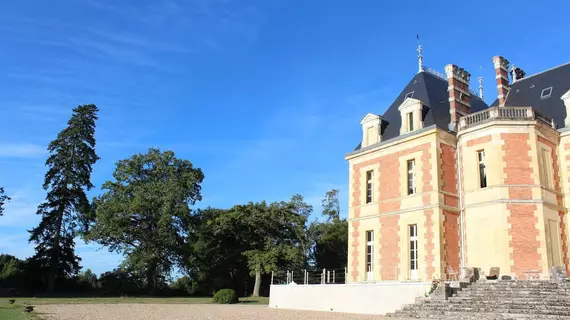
pixel 502 75
pixel 459 96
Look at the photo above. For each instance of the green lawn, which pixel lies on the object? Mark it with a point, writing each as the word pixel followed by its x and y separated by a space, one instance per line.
pixel 14 312
pixel 153 300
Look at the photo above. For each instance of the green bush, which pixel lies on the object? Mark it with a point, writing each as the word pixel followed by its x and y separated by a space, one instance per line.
pixel 226 296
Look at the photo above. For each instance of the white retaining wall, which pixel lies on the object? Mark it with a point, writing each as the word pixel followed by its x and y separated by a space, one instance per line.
pixel 365 298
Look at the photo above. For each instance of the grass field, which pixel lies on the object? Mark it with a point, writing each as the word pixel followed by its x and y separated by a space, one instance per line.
pixel 116 300
pixel 16 311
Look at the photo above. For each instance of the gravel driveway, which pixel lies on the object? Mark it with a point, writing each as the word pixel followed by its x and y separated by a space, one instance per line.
pixel 182 312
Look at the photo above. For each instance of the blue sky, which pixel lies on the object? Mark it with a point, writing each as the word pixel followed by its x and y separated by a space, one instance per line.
pixel 265 96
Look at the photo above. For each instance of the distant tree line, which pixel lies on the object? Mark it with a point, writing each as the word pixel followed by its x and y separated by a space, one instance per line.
pixel 145 212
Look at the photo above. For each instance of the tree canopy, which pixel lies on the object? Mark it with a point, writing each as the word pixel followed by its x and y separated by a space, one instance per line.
pixel 145 212
pixel 3 199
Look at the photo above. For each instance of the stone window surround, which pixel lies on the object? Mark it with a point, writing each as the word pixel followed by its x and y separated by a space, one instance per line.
pixel 415 107
pixel 371 121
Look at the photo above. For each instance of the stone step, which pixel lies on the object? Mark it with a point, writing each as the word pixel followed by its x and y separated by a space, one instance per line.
pixel 476 312
pixel 478 316
pixel 470 308
pixel 522 304
pixel 496 300
pixel 487 300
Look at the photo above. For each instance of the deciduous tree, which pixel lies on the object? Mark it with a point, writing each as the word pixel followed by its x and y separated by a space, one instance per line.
pixel 329 240
pixel 71 160
pixel 144 213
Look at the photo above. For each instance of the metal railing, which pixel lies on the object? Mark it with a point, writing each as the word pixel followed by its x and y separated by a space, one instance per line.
pixel 503 113
pixel 305 277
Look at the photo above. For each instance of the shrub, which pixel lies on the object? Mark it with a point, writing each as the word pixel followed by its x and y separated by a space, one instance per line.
pixel 226 296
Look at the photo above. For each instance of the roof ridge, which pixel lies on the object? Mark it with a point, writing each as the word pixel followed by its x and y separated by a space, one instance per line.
pixel 473 94
pixel 544 71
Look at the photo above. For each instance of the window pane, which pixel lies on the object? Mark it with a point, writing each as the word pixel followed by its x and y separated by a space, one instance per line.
pixel 482 175
pixel 413 265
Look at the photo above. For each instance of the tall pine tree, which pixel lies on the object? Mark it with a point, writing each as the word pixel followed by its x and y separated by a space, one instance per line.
pixel 3 199
pixel 72 155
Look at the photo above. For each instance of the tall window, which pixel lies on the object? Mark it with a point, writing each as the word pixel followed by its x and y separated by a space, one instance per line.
pixel 546 171
pixel 413 231
pixel 369 185
pixel 369 253
pixel 410 117
pixel 482 169
pixel 411 177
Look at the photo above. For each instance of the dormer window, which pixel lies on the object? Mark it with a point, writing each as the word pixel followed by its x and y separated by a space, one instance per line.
pixel 410 117
pixel 370 129
pixel 546 93
pixel 411 112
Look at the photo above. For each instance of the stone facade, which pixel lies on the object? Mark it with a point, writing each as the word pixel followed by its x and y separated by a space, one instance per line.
pixel 514 218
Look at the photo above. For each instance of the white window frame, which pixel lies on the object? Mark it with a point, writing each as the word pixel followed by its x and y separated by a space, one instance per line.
pixel 543 95
pixel 481 165
pixel 414 250
pixel 369 187
pixel 410 121
pixel 411 177
pixel 369 259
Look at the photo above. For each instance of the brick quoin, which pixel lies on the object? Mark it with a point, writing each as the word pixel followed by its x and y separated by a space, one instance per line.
pixel 559 200
pixel 354 252
pixel 523 231
pixel 452 201
pixel 451 240
pixel 448 170
pixel 479 140
pixel 427 186
pixel 390 246
pixel 451 250
pixel 464 223
pixel 429 246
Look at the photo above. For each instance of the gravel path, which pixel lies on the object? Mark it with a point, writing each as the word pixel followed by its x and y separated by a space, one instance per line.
pixel 183 312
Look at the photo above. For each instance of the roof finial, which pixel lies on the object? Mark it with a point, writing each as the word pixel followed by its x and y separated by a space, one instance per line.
pixel 420 55
pixel 480 78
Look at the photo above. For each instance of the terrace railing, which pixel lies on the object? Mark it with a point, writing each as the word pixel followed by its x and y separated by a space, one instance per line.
pixel 504 114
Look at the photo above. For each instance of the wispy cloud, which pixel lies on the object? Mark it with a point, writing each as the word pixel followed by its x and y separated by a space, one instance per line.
pixel 21 150
pixel 16 244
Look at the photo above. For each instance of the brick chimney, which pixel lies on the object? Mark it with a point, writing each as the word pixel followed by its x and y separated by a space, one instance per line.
pixel 459 96
pixel 502 75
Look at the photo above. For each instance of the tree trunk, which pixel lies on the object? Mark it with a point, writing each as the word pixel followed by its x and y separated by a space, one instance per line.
pixel 52 271
pixel 150 277
pixel 257 285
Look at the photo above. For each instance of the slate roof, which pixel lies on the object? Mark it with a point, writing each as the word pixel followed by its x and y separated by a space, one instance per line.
pixel 432 90
pixel 527 92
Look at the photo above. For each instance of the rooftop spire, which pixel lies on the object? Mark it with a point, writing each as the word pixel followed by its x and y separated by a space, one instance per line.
pixel 480 78
pixel 420 55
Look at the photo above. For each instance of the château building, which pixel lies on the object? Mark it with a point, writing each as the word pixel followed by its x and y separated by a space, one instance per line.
pixel 442 180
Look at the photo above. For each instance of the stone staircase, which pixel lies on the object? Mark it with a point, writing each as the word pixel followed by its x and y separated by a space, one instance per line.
pixel 496 300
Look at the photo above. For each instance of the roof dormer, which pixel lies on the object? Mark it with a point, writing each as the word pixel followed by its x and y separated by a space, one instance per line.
pixel 371 129
pixel 411 113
